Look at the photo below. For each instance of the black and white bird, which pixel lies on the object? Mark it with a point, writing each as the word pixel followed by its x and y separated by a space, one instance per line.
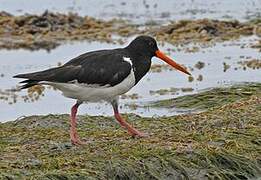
pixel 101 76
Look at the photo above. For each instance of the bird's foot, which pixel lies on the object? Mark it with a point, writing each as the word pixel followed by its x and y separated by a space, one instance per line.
pixel 140 135
pixel 131 130
pixel 135 133
pixel 77 142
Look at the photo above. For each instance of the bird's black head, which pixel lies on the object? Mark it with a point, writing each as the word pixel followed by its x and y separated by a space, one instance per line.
pixel 144 46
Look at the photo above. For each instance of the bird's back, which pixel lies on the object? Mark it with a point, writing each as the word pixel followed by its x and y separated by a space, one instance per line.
pixel 97 67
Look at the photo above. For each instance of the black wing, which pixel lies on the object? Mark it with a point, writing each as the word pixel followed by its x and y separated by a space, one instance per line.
pixel 97 67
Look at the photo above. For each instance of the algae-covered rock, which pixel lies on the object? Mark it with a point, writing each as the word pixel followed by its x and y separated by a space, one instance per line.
pixel 221 143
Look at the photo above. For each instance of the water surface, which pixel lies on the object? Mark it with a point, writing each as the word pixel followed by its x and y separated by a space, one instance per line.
pixel 141 11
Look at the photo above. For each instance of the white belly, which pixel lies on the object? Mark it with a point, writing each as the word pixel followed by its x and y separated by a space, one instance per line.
pixel 94 93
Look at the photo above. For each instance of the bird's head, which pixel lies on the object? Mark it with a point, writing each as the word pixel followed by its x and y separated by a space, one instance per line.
pixel 148 47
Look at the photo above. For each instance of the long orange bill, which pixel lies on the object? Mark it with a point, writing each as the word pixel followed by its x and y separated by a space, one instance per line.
pixel 168 60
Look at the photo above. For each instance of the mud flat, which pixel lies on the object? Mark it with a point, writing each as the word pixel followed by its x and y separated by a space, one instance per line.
pixel 223 142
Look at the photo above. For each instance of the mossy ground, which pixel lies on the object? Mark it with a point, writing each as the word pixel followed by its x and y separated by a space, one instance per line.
pixel 221 143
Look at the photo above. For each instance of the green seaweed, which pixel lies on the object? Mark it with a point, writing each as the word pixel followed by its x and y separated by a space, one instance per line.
pixel 210 98
pixel 221 143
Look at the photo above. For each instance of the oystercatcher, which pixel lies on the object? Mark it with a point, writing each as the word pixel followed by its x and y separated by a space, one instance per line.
pixel 101 76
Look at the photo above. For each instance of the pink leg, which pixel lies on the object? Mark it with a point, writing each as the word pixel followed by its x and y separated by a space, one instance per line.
pixel 73 132
pixel 131 130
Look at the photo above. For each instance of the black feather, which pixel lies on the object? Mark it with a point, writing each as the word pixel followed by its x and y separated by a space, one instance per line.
pixel 28 85
pixel 98 67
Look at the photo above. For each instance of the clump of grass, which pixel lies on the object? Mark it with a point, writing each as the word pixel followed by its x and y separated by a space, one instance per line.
pixel 201 165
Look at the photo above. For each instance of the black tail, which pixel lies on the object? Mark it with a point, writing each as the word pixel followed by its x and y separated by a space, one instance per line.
pixel 28 82
pixel 58 74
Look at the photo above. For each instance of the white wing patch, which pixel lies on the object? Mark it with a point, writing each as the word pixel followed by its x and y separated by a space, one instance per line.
pixel 127 59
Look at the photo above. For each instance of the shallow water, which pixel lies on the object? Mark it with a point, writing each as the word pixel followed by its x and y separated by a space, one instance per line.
pixel 21 61
pixel 145 11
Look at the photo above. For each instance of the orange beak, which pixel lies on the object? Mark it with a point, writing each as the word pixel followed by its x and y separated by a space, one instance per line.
pixel 168 60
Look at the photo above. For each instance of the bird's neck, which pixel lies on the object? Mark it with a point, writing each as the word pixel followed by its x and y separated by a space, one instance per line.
pixel 141 62
pixel 141 66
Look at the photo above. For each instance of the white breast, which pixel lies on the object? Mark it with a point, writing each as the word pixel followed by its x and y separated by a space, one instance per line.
pixel 94 93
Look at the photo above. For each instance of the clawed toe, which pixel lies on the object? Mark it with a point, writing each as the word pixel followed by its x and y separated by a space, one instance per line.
pixel 77 142
pixel 139 135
